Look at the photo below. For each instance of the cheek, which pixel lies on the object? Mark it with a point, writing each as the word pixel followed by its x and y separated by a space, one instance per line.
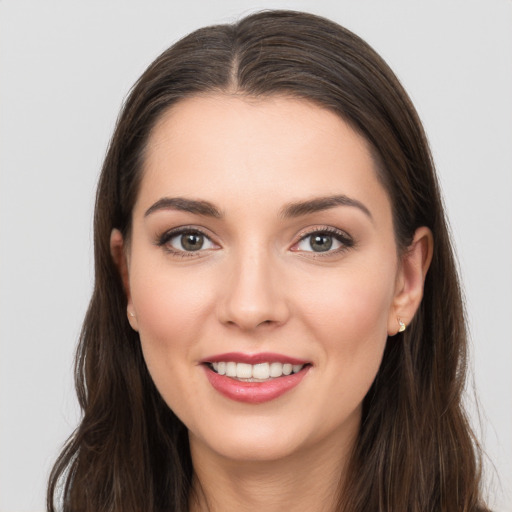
pixel 171 309
pixel 169 305
pixel 349 325
pixel 349 320
pixel 169 314
pixel 350 301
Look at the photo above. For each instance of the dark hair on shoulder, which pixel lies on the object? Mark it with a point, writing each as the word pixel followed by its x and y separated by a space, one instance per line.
pixel 415 450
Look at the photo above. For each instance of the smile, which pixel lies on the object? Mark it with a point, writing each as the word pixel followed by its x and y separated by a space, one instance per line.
pixel 260 372
pixel 256 378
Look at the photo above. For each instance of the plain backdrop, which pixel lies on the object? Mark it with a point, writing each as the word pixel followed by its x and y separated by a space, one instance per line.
pixel 65 68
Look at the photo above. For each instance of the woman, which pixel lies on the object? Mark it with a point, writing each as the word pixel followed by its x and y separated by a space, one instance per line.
pixel 276 319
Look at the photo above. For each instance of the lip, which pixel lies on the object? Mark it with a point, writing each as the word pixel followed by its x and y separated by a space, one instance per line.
pixel 262 357
pixel 254 392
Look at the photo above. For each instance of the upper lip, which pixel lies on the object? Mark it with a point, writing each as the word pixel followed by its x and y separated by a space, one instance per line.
pixel 262 357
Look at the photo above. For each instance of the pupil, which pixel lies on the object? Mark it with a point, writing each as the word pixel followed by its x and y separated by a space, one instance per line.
pixel 192 241
pixel 321 243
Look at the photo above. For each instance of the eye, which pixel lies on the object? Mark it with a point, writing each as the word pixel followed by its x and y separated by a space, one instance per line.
pixel 323 241
pixel 185 241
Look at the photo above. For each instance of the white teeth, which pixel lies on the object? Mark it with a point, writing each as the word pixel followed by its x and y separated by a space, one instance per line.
pixel 243 371
pixel 258 372
pixel 261 371
pixel 231 369
pixel 276 369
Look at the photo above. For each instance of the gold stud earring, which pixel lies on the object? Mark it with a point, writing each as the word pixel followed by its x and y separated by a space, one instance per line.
pixel 131 314
pixel 402 326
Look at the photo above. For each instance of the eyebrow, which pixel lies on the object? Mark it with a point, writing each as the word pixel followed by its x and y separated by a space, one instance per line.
pixel 296 209
pixel 185 205
pixel 319 204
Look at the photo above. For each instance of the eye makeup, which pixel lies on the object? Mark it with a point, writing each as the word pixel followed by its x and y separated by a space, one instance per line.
pixel 192 241
pixel 323 241
pixel 185 241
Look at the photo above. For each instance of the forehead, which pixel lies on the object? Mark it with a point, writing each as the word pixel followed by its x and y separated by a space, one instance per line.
pixel 277 147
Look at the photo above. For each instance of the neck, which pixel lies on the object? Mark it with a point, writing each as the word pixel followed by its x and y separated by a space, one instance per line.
pixel 310 480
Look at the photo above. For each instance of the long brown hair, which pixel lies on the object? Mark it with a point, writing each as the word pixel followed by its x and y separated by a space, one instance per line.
pixel 415 450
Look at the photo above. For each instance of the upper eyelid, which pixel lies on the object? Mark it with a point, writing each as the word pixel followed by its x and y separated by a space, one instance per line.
pixel 173 232
pixel 304 233
pixel 341 235
pixel 322 229
pixel 185 229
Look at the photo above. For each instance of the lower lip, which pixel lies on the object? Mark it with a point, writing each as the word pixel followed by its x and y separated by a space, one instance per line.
pixel 254 392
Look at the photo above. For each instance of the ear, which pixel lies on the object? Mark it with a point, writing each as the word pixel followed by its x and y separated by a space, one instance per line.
pixel 414 265
pixel 118 251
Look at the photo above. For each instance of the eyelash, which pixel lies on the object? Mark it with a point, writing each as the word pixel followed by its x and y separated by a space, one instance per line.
pixel 343 238
pixel 346 241
pixel 166 237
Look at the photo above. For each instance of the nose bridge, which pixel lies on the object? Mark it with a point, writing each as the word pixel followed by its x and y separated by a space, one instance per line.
pixel 253 295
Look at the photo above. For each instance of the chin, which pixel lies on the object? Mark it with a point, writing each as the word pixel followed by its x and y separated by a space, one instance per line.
pixel 253 442
pixel 253 452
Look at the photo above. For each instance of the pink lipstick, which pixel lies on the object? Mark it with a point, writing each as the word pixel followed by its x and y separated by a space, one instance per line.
pixel 254 378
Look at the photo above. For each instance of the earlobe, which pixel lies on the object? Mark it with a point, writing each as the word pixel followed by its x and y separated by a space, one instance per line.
pixel 118 253
pixel 411 279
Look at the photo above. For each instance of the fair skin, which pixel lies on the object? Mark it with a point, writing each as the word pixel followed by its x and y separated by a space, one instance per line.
pixel 269 267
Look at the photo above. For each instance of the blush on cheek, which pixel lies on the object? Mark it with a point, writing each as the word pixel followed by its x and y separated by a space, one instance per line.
pixel 351 310
pixel 171 305
pixel 354 328
pixel 170 314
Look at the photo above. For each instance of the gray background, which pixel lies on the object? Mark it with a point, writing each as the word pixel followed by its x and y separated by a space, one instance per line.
pixel 65 69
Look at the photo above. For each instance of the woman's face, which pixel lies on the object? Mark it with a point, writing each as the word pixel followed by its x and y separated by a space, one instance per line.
pixel 262 244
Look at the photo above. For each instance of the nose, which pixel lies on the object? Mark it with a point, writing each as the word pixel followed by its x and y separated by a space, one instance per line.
pixel 253 294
